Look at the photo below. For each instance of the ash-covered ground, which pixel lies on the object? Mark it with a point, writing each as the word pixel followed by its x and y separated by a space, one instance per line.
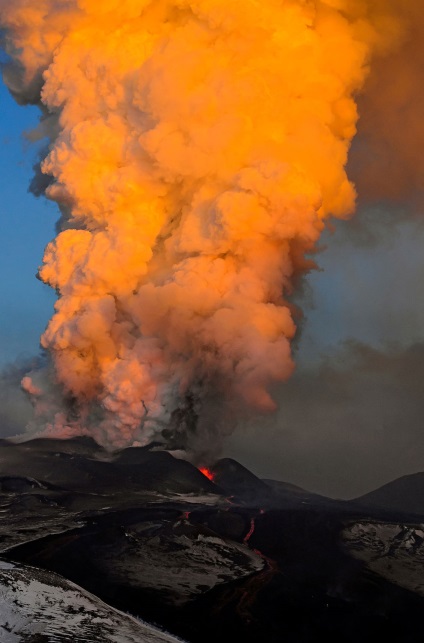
pixel 141 546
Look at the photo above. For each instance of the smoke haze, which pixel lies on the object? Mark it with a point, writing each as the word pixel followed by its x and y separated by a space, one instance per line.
pixel 360 428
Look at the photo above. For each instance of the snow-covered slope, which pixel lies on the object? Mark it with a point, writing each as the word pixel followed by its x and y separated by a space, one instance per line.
pixel 155 552
pixel 394 551
pixel 37 605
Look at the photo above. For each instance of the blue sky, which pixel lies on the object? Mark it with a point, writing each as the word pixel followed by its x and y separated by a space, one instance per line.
pixel 26 225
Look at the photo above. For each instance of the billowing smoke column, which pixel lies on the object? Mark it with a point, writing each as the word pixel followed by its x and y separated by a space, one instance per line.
pixel 197 148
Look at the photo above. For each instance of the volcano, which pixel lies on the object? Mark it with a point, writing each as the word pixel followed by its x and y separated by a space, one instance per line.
pixel 404 495
pixel 138 545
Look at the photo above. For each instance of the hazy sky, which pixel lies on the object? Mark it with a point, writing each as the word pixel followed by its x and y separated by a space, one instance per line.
pixel 351 417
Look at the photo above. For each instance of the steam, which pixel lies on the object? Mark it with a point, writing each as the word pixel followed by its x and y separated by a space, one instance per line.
pixel 197 149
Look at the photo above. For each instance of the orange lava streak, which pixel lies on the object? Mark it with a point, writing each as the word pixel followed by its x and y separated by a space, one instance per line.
pixel 207 472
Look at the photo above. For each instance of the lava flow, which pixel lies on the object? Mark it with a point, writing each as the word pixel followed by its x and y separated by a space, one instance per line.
pixel 252 529
pixel 245 595
pixel 257 581
pixel 207 472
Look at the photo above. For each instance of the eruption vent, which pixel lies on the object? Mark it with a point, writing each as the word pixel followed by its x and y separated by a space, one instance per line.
pixel 207 472
pixel 196 149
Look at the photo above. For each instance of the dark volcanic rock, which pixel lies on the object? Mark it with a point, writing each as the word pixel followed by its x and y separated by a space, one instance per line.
pixel 16 484
pixel 46 487
pixel 239 482
pixel 151 535
pixel 157 552
pixel 404 495
pixel 291 495
pixel 81 465
pixel 81 445
pixel 161 472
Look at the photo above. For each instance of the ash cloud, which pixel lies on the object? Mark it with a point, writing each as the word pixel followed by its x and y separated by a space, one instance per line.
pixel 386 161
pixel 200 154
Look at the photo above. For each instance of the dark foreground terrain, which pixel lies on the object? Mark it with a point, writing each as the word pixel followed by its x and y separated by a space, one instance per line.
pixel 140 546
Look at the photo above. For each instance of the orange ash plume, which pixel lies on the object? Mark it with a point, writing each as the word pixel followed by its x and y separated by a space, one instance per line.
pixel 197 149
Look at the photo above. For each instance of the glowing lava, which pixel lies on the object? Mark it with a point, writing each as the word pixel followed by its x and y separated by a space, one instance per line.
pixel 207 472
